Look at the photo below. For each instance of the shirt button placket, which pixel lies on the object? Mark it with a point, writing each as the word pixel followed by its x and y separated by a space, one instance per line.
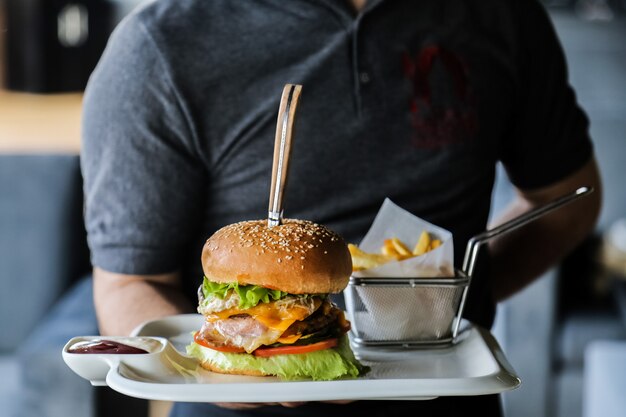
pixel 362 76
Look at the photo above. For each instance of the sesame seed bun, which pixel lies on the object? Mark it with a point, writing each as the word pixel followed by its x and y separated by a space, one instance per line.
pixel 297 256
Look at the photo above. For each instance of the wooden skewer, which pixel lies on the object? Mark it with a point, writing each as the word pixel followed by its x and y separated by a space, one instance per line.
pixel 282 150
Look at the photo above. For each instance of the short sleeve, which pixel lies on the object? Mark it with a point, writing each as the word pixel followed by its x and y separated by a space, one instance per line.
pixel 142 175
pixel 549 139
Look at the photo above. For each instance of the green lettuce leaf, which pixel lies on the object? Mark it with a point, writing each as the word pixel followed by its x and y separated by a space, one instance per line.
pixel 249 295
pixel 322 365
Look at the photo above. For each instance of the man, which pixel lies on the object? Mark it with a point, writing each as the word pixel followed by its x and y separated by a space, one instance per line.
pixel 415 101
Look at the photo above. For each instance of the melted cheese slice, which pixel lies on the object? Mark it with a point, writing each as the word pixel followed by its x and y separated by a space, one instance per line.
pixel 287 340
pixel 277 317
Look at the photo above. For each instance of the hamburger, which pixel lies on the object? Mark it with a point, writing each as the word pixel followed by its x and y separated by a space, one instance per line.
pixel 266 301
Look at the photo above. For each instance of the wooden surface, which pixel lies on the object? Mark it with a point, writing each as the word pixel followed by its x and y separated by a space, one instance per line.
pixel 35 123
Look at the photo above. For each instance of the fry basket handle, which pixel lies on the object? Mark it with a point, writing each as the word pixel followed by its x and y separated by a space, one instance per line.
pixel 474 244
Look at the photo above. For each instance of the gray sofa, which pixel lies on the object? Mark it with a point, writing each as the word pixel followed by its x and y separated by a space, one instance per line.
pixel 45 291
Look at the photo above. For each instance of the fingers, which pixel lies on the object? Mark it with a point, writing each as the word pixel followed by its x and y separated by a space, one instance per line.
pixel 291 404
pixel 339 401
pixel 246 406
pixel 243 406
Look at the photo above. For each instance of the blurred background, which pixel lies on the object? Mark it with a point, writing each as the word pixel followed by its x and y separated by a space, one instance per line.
pixel 565 335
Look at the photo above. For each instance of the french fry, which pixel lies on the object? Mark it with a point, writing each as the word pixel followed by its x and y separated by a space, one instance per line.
pixel 401 248
pixel 364 260
pixel 421 247
pixel 389 250
pixel 434 244
pixel 393 249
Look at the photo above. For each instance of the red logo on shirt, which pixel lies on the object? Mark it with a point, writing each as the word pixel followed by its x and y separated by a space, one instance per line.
pixel 442 107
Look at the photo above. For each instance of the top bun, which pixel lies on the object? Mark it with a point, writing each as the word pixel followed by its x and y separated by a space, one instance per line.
pixel 297 256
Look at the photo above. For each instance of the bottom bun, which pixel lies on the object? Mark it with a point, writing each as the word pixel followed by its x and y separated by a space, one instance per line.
pixel 214 366
pixel 321 365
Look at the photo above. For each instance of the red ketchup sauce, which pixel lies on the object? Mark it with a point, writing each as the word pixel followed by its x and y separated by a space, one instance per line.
pixel 105 346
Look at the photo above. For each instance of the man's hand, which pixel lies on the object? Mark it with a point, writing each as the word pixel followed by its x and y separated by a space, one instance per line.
pixel 244 406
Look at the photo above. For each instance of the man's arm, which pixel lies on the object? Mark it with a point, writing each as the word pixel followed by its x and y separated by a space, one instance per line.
pixel 522 256
pixel 125 301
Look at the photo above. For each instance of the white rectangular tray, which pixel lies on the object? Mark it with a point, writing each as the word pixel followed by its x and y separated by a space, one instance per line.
pixel 475 365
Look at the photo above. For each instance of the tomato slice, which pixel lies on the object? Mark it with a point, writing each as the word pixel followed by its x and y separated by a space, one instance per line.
pixel 223 348
pixel 290 350
pixel 266 352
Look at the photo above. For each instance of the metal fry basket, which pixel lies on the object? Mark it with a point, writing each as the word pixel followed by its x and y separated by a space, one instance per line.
pixel 410 312
pixel 424 312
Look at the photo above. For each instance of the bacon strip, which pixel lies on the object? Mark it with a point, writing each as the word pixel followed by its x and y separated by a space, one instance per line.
pixel 241 331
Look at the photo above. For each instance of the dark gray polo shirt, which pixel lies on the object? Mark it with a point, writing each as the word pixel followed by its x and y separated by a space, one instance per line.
pixel 412 100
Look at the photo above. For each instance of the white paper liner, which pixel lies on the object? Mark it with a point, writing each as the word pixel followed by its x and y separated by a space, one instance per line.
pixel 394 221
